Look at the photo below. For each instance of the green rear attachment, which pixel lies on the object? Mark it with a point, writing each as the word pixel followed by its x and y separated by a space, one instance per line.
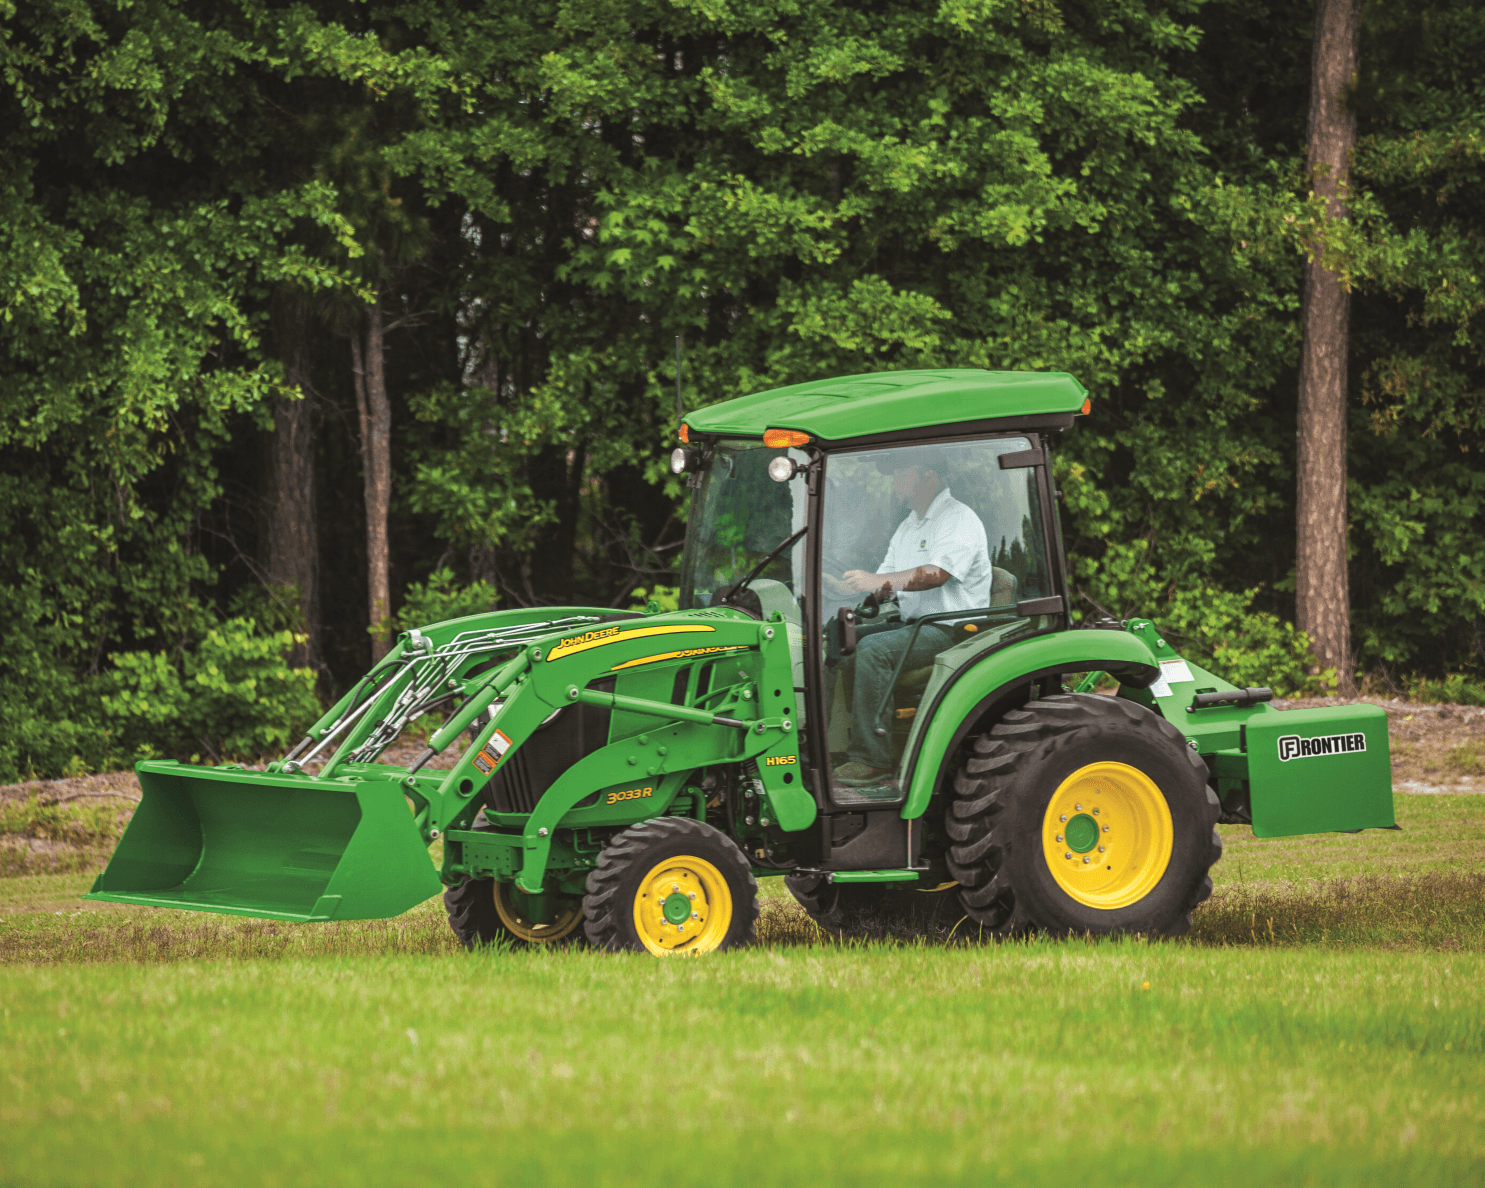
pixel 1285 772
pixel 1313 770
pixel 283 848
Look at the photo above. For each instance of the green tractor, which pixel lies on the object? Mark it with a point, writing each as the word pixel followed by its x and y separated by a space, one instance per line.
pixel 873 688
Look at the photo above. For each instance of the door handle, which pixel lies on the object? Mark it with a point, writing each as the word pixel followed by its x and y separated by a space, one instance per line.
pixel 846 617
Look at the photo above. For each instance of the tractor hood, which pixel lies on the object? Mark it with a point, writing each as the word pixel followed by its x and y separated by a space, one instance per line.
pixel 896 402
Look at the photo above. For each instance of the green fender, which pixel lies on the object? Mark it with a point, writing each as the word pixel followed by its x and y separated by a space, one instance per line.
pixel 960 699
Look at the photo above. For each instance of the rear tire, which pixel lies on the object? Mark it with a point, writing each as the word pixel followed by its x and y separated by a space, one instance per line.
pixel 1129 850
pixel 671 885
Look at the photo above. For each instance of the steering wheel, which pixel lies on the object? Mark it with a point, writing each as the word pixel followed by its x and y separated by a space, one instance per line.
pixel 870 607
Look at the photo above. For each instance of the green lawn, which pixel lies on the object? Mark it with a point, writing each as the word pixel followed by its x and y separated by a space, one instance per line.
pixel 1440 833
pixel 1036 1063
pixel 1310 1031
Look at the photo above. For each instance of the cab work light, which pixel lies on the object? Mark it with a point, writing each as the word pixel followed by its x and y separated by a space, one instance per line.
pixel 782 469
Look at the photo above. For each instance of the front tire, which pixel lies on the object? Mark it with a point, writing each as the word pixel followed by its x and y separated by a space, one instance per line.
pixel 671 885
pixel 1082 814
pixel 484 912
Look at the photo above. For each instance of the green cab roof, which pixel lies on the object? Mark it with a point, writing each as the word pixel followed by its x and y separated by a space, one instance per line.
pixel 893 402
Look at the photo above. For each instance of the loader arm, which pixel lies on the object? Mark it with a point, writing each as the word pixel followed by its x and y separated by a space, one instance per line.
pixel 751 716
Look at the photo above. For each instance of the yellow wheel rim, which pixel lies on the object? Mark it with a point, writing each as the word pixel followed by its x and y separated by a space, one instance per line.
pixel 682 906
pixel 537 934
pixel 1107 835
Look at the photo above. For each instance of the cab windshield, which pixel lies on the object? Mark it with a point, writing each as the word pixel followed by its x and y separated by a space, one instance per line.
pixel 739 516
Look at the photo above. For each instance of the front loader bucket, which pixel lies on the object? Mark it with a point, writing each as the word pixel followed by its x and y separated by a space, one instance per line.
pixel 283 847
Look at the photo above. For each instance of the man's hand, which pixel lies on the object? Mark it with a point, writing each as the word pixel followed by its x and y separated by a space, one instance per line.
pixel 925 577
pixel 858 581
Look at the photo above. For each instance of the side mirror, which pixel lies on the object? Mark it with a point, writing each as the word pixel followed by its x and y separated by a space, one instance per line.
pixel 846 617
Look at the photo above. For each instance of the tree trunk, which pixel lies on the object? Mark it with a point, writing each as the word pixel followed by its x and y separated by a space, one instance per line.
pixel 556 475
pixel 1323 602
pixel 375 411
pixel 291 549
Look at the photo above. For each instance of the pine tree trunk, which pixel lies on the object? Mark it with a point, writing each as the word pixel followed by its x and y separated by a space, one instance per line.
pixel 1323 603
pixel 375 411
pixel 291 546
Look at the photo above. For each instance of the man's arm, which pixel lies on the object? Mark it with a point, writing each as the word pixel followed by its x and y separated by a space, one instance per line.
pixel 925 577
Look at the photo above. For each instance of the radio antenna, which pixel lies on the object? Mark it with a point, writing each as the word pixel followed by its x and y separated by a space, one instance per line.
pixel 679 338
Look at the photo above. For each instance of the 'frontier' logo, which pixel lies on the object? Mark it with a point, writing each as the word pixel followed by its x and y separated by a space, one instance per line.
pixel 1291 746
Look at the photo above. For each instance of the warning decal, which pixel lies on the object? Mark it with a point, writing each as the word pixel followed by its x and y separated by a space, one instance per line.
pixel 492 752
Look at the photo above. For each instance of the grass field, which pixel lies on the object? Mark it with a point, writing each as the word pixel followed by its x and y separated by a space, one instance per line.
pixel 1323 1024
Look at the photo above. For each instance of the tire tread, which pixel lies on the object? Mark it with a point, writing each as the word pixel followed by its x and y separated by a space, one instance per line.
pixel 980 827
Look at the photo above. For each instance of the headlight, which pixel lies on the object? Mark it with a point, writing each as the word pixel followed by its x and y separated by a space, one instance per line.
pixel 680 460
pixel 782 469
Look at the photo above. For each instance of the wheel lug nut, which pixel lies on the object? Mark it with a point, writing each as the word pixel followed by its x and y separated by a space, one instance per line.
pixel 693 895
pixel 1077 808
pixel 1095 812
pixel 1063 817
pixel 1100 849
pixel 1086 860
pixel 1067 855
pixel 1105 828
pixel 694 916
pixel 1059 837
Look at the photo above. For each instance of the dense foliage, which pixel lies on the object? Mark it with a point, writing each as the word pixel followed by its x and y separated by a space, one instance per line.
pixel 548 194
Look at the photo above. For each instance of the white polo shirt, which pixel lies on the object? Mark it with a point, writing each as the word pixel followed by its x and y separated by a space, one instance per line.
pixel 950 536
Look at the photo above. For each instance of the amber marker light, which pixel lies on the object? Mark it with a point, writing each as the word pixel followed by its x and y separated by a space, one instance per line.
pixel 685 433
pixel 779 439
pixel 1087 407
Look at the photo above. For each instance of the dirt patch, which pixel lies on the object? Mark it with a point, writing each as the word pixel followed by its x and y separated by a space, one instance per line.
pixel 111 785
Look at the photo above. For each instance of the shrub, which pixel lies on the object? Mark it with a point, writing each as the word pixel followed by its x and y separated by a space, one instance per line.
pixel 443 597
pixel 1456 688
pixel 667 598
pixel 233 696
pixel 1241 645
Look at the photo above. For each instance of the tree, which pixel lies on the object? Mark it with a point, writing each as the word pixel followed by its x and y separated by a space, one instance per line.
pixel 1322 594
pixel 291 545
pixel 374 409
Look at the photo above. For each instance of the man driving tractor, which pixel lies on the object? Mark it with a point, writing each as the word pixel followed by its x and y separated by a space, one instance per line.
pixel 938 560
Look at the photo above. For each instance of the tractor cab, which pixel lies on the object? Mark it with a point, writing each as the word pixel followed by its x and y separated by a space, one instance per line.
pixel 890 561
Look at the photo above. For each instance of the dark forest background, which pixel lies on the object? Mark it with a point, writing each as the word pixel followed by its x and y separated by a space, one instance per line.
pixel 275 274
